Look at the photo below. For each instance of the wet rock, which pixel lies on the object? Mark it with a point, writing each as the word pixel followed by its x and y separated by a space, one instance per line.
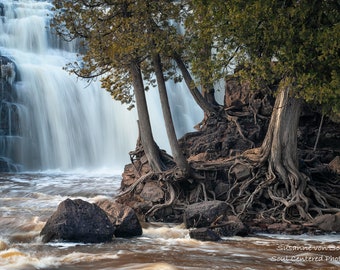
pixel 10 117
pixel 78 221
pixel 334 165
pixel 295 229
pixel 277 227
pixel 4 165
pixel 129 174
pixel 203 214
pixel 3 245
pixel 327 223
pixel 152 192
pixel 236 93
pixel 233 226
pixel 240 172
pixel 204 234
pixel 2 12
pixel 122 217
pixel 221 190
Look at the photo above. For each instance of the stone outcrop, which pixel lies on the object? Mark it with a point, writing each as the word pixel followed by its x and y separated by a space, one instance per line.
pixel 204 234
pixel 78 221
pixel 204 214
pixel 152 192
pixel 211 221
pixel 327 223
pixel 9 121
pixel 122 217
pixel 230 226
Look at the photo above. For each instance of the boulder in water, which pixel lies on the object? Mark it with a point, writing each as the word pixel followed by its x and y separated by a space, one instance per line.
pixel 203 214
pixel 231 227
pixel 78 221
pixel 327 222
pixel 204 234
pixel 3 245
pixel 122 217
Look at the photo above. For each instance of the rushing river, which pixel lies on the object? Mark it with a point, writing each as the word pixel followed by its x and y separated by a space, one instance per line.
pixel 27 200
pixel 65 124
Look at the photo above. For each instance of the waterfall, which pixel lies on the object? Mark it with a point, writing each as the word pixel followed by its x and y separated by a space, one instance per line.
pixel 63 123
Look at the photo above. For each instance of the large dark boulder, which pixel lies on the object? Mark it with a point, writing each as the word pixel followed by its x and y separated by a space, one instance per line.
pixel 203 214
pixel 122 217
pixel 78 221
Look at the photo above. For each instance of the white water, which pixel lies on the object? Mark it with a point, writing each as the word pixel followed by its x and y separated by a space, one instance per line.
pixel 67 126
pixel 65 123
pixel 28 200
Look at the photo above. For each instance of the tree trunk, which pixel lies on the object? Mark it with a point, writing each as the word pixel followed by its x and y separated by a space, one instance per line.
pixel 209 95
pixel 208 89
pixel 279 152
pixel 150 147
pixel 177 154
pixel 200 100
pixel 280 143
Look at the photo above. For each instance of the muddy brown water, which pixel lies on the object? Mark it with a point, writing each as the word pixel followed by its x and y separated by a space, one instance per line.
pixel 27 200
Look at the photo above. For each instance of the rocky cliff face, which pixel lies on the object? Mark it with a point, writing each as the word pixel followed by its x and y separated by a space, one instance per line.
pixel 9 116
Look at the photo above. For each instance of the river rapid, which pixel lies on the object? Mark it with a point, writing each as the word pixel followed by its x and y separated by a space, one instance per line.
pixel 65 124
pixel 27 201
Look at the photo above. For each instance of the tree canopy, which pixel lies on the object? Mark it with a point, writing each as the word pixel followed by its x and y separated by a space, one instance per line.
pixel 272 39
pixel 114 33
pixel 298 39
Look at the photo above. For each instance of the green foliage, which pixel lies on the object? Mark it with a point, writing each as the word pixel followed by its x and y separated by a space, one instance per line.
pixel 272 40
pixel 116 33
pixel 297 39
pixel 205 46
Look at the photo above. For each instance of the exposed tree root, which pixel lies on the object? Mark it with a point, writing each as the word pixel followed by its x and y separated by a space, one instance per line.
pixel 231 160
pixel 136 183
pixel 260 195
pixel 154 208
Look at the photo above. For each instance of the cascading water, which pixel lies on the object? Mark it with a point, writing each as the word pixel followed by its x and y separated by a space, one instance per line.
pixel 61 122
pixel 52 121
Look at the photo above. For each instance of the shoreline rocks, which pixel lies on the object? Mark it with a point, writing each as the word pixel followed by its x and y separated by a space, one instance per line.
pixel 122 217
pixel 78 221
pixel 81 221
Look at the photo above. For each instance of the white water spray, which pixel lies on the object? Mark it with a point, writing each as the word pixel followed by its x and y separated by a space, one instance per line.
pixel 66 124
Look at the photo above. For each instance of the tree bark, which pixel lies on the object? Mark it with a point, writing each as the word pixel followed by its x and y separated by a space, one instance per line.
pixel 208 89
pixel 209 95
pixel 150 147
pixel 200 100
pixel 280 143
pixel 177 153
pixel 279 152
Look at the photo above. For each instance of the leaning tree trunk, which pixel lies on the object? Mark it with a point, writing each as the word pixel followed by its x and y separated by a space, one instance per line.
pixel 209 95
pixel 208 89
pixel 283 182
pixel 200 100
pixel 150 147
pixel 177 154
